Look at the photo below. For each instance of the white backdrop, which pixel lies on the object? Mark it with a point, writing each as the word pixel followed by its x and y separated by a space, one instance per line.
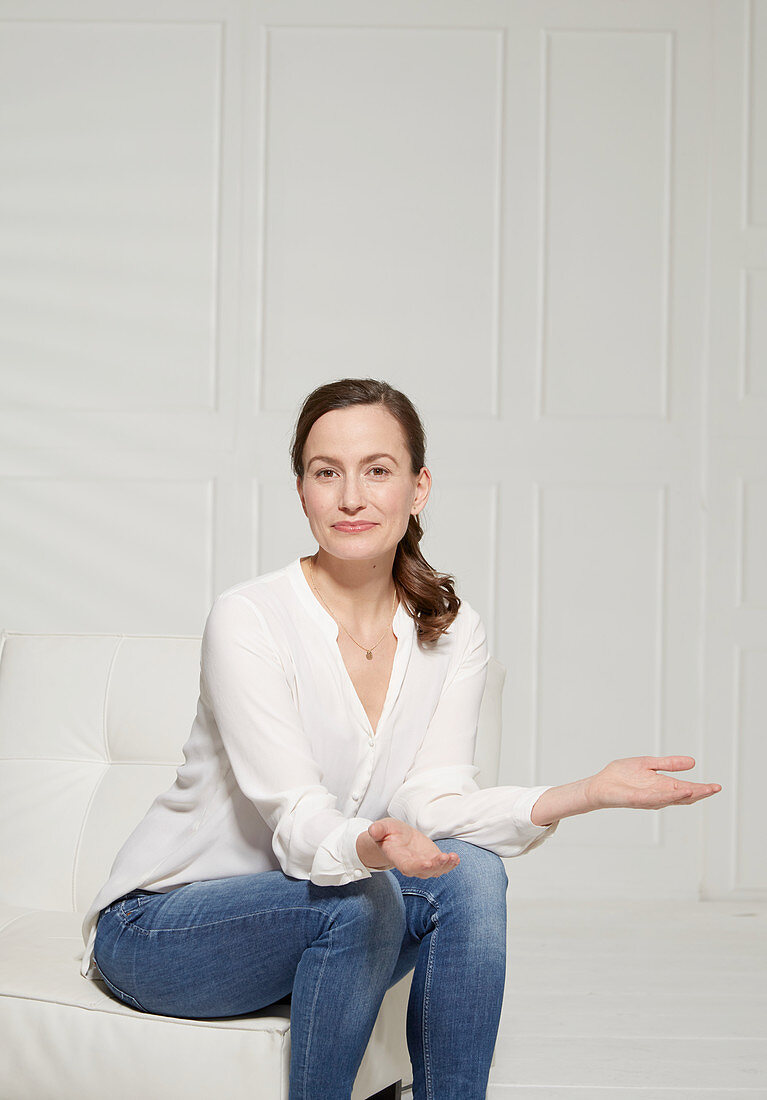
pixel 545 221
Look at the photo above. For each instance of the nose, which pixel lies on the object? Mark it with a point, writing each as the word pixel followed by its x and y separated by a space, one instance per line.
pixel 352 495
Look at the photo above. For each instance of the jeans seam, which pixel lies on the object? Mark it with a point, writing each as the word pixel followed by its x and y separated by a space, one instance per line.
pixel 328 953
pixel 422 894
pixel 132 1002
pixel 425 1043
pixel 212 924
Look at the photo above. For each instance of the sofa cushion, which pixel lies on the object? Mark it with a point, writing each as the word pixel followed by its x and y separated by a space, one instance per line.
pixel 89 1036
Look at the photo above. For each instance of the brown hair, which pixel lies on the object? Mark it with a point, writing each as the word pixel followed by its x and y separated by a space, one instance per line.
pixel 428 596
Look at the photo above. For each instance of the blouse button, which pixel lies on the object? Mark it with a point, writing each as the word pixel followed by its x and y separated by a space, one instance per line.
pixel 356 796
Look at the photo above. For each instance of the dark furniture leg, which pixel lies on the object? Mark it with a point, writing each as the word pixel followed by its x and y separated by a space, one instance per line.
pixel 393 1092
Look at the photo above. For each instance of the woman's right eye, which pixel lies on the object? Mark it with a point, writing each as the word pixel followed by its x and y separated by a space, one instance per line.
pixel 321 472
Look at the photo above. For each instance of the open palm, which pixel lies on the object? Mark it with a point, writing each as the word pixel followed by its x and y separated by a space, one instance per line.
pixel 410 851
pixel 635 783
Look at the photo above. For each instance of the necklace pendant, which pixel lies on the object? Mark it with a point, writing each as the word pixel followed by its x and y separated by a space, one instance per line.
pixel 369 655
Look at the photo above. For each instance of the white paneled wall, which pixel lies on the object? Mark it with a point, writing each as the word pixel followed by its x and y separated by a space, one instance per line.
pixel 735 670
pixel 544 220
pixel 382 166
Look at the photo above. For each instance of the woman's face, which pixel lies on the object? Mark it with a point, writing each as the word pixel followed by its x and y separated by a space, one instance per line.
pixel 357 470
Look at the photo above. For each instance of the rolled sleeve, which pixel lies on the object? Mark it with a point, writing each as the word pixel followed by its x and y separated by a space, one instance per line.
pixel 337 860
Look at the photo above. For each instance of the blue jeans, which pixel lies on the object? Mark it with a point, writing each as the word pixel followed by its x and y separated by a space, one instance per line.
pixel 224 947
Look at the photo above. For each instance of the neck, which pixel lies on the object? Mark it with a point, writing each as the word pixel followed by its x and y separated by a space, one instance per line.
pixel 357 591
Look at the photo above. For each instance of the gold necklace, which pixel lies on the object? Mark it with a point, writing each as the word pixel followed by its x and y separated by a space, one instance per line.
pixel 368 651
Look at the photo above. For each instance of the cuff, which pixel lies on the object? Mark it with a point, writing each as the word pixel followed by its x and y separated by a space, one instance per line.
pixel 337 861
pixel 524 808
pixel 535 834
pixel 356 826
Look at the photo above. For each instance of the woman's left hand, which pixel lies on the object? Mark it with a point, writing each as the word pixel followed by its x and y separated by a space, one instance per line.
pixel 634 783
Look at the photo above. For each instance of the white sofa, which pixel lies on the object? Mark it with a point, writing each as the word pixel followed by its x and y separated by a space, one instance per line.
pixel 83 753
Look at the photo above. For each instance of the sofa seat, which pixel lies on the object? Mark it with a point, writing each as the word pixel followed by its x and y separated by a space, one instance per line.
pixel 63 1037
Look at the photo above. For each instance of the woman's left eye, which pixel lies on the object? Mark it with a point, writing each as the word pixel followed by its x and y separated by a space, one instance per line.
pixel 381 468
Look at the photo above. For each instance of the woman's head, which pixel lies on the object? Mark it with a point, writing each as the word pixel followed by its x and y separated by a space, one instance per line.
pixel 358 454
pixel 358 466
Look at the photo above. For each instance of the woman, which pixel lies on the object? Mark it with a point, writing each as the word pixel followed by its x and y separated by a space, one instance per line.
pixel 325 834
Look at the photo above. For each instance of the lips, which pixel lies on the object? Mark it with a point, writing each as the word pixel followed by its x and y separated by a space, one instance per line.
pixel 353 526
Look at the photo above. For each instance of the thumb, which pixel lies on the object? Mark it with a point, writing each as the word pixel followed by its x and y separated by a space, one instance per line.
pixel 377 830
pixel 672 763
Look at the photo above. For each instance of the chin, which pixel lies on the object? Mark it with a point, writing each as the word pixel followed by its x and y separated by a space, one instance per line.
pixel 352 547
pixel 355 551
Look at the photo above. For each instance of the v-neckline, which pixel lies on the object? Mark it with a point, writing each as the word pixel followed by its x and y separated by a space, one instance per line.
pixel 388 686
pixel 333 630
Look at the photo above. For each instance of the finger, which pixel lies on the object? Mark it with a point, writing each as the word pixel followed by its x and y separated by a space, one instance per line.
pixel 443 869
pixel 443 863
pixel 694 792
pixel 427 866
pixel 444 859
pixel 668 796
pixel 702 790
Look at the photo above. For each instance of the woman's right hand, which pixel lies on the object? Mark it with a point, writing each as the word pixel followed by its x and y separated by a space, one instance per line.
pixel 390 843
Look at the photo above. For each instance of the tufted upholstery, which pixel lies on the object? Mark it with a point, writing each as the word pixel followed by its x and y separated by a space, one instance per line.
pixel 83 754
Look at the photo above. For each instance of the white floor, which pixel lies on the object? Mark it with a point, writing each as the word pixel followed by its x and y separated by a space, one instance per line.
pixel 639 1000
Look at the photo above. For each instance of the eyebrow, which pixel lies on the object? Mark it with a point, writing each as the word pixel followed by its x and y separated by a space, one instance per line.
pixel 335 462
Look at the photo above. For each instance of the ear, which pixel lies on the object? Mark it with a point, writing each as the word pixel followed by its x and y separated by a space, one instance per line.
pixel 422 490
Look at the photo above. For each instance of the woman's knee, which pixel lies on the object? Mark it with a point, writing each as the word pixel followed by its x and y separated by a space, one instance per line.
pixel 375 903
pixel 480 877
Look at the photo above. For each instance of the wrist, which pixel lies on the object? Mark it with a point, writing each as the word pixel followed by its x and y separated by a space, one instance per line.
pixel 590 794
pixel 371 854
pixel 567 800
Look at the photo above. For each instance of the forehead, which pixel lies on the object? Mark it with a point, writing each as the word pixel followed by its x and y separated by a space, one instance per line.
pixel 359 429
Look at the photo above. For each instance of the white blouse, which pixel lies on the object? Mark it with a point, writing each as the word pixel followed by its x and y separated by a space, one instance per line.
pixel 282 768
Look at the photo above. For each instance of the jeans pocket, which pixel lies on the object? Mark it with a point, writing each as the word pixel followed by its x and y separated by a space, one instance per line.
pixel 131 904
pixel 118 903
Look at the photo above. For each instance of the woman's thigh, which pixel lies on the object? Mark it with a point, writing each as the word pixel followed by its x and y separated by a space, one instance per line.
pixel 218 947
pixel 224 947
